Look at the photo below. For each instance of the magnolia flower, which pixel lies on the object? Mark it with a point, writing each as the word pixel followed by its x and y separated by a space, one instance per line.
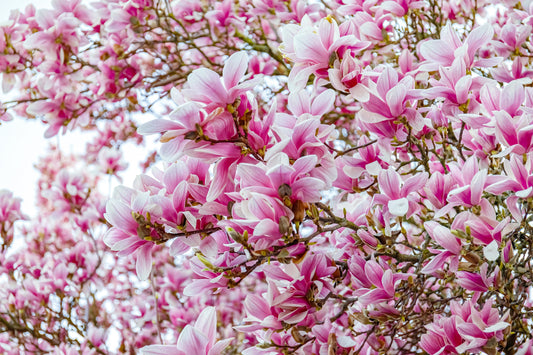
pixel 197 339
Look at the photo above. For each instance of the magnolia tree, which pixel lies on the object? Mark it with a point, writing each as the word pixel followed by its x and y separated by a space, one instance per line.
pixel 331 177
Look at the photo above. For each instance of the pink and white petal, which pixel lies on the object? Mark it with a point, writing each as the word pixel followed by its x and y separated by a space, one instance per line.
pixel 220 179
pixel 479 37
pixel 386 81
pixel 299 102
pixel 436 263
pixel 443 236
pixel 205 86
pixel 160 350
pixel 308 47
pixel 234 69
pixel 414 183
pixel 512 97
pixel 496 327
pixel 389 182
pixel 178 247
pixel 462 87
pixel 207 324
pixel 113 236
pixel 395 100
pixel 477 186
pixel 360 93
pixel 374 273
pixel 256 306
pixel 192 341
pixel 144 261
pixel 437 51
pixel 323 103
pixel 308 189
pixel 118 214
pixel 219 347
pixel 304 165
pixel 158 126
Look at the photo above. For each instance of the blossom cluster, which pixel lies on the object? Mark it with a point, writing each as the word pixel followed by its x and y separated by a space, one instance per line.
pixel 334 177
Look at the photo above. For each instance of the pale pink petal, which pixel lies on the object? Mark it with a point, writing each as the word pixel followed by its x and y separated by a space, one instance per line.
pixel 387 80
pixel 437 51
pixel 157 126
pixel 207 324
pixel 205 86
pixel 479 37
pixel 192 341
pixel 144 261
pixel 234 69
pixel 395 99
pixel 477 186
pixel 220 179
pixel 323 103
pixel 160 350
pixel 219 347
pixel 256 306
pixel 308 48
pixel 512 97
pixel 496 327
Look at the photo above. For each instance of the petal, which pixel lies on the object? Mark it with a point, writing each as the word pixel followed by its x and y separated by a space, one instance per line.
pixel 160 350
pixel 437 51
pixel 443 236
pixel 323 103
pixel 205 86
pixel 398 207
pixel 219 347
pixel 491 251
pixel 207 323
pixel 496 327
pixel 192 341
pixel 144 261
pixel 512 97
pixel 395 99
pixel 157 126
pixel 479 37
pixel 234 69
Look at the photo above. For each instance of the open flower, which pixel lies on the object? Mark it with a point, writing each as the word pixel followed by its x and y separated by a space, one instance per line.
pixel 194 340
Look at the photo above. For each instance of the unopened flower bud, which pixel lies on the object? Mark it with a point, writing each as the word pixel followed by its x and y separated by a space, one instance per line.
pixel 298 209
pixel 284 225
pixel 284 190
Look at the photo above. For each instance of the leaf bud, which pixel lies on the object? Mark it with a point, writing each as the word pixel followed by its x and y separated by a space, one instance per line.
pixel 236 236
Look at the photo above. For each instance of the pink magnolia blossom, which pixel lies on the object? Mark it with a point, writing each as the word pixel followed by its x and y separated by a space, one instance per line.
pixel 389 98
pixel 444 50
pixel 452 245
pixel 477 282
pixel 129 236
pixel 194 339
pixel 207 87
pixel 399 198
